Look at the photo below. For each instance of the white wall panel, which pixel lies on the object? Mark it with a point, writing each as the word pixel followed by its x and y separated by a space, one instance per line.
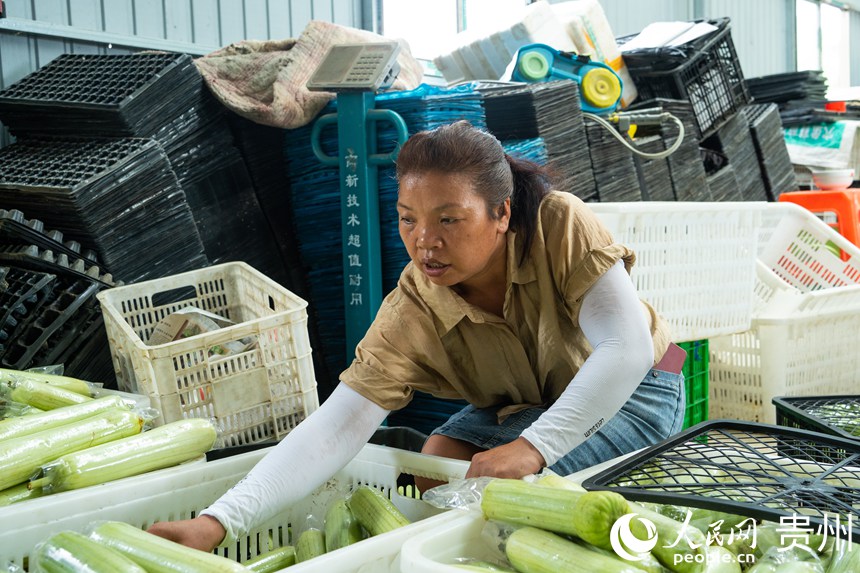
pixel 855 48
pixel 628 17
pixel 762 32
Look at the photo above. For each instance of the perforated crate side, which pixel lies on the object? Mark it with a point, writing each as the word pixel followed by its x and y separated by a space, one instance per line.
pixel 837 415
pixel 256 395
pixel 695 262
pixel 812 354
pixel 182 492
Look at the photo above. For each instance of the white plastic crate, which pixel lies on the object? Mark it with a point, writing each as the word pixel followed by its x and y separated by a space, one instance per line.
pixel 257 395
pixel 436 550
pixel 181 494
pixel 695 262
pixel 488 57
pixel 802 338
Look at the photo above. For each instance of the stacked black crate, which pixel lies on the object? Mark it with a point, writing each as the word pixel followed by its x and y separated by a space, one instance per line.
pixel 159 96
pixel 549 111
pixel 118 197
pixel 48 309
pixel 614 171
pixel 766 129
pixel 686 170
pixel 734 141
pixel 655 180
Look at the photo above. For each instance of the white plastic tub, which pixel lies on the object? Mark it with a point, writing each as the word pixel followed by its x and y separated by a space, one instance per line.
pixel 182 492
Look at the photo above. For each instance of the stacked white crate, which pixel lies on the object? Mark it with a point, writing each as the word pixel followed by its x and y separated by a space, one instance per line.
pixel 695 261
pixel 803 335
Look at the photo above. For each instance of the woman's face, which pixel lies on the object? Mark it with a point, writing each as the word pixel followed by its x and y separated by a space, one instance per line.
pixel 448 231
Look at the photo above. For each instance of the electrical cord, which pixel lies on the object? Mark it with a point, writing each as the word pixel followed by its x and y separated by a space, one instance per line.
pixel 642 118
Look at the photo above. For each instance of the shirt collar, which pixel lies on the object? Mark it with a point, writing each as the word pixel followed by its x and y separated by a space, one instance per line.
pixel 449 308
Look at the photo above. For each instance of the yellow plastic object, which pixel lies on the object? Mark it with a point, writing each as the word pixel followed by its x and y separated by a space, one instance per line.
pixel 600 87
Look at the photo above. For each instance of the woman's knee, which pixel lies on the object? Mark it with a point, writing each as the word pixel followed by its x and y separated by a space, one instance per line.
pixel 439 445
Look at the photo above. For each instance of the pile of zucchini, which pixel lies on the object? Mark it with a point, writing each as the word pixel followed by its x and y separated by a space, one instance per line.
pixel 112 546
pixel 553 525
pixel 62 438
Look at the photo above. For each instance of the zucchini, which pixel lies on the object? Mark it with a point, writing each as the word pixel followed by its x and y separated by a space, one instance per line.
pixel 20 458
pixel 533 550
pixel 157 554
pixel 341 526
pixel 161 447
pixel 44 396
pixel 30 424
pixel 679 548
pixel 274 560
pixel 587 515
pixel 311 544
pixel 65 382
pixel 70 552
pixel 846 558
pixel 374 511
pixel 16 493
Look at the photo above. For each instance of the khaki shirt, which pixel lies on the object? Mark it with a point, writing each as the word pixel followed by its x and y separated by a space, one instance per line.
pixel 427 338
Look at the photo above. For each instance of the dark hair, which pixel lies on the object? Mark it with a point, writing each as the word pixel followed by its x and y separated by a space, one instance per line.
pixel 464 149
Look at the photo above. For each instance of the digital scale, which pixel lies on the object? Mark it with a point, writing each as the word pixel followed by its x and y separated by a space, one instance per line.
pixel 355 72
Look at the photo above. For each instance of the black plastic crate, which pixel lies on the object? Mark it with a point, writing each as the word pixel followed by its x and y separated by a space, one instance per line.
pixel 706 72
pixel 755 470
pixel 834 415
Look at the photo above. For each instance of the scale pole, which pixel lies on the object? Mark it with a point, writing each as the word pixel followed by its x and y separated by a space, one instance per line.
pixel 359 196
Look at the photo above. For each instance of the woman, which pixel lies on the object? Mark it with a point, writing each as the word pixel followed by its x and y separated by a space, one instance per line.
pixel 517 300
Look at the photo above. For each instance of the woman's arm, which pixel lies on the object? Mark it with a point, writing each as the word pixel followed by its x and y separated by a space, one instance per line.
pixel 615 324
pixel 308 456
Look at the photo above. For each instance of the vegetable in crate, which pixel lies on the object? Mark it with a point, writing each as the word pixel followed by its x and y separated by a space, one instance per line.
pixel 533 550
pixel 845 558
pixel 274 560
pixel 311 544
pixel 16 493
pixel 341 526
pixel 20 458
pixel 374 511
pixel 482 566
pixel 159 555
pixel 30 424
pixel 71 552
pixel 161 447
pixel 65 382
pixel 721 560
pixel 43 396
pixel 679 548
pixel 587 515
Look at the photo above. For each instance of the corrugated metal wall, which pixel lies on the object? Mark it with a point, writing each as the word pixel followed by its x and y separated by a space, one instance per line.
pixel 855 48
pixel 762 31
pixel 37 31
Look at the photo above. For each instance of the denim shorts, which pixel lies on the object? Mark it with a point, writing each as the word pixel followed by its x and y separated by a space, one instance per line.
pixel 654 412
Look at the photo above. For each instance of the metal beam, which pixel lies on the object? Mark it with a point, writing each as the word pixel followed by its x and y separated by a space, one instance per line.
pixel 36 28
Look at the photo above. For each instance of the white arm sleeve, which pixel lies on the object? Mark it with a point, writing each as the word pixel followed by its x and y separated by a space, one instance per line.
pixel 614 322
pixel 309 455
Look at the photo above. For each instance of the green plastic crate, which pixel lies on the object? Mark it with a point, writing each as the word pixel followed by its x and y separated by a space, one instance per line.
pixel 696 381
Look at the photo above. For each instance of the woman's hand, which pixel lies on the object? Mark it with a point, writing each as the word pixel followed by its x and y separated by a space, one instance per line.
pixel 203 532
pixel 513 460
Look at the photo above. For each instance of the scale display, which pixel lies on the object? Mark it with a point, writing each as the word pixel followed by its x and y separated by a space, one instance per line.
pixel 356 67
